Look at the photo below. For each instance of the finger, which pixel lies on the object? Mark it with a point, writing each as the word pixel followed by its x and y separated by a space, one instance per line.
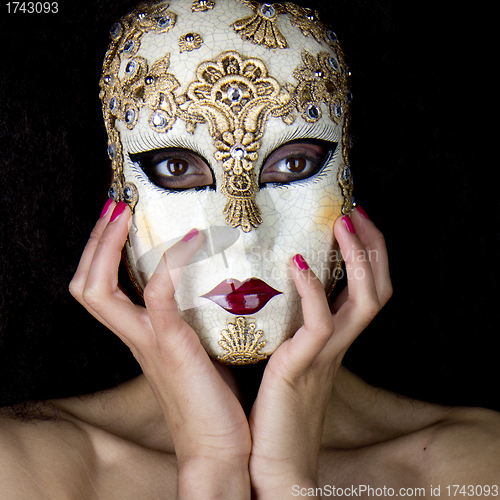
pixel 179 254
pixel 80 278
pixel 362 302
pixel 159 292
pixel 102 278
pixel 318 326
pixel 376 251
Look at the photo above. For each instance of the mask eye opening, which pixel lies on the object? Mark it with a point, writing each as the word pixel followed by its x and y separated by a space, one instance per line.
pixel 147 161
pixel 321 159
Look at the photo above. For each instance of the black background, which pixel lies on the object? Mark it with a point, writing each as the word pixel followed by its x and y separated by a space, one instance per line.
pixel 417 118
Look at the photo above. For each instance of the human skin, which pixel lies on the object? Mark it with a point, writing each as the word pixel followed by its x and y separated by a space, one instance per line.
pixel 220 453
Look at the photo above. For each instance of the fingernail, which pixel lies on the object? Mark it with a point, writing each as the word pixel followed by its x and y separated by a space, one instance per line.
pixel 362 212
pixel 348 224
pixel 189 236
pixel 300 262
pixel 106 208
pixel 119 209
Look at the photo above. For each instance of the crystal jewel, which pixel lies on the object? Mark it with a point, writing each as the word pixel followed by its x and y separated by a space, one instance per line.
pixel 313 111
pixel 115 31
pixel 164 21
pixel 130 68
pixel 331 36
pixel 128 194
pixel 129 46
pixel 332 62
pixel 158 119
pixel 129 115
pixel 238 151
pixel 113 193
pixel 267 10
pixel 346 173
pixel 112 104
pixel 111 151
pixel 234 94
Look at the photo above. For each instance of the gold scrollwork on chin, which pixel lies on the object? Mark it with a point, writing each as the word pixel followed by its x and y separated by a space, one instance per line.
pixel 241 342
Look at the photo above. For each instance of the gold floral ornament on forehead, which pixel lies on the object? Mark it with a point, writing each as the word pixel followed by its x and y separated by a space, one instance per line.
pixel 235 96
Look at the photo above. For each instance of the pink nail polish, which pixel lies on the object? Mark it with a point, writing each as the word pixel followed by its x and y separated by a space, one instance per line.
pixel 119 209
pixel 300 262
pixel 348 224
pixel 362 212
pixel 106 208
pixel 189 236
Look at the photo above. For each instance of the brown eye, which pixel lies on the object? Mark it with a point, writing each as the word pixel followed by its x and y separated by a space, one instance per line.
pixel 175 169
pixel 176 166
pixel 296 161
pixel 296 165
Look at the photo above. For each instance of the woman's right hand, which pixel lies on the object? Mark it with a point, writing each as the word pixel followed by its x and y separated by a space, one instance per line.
pixel 208 426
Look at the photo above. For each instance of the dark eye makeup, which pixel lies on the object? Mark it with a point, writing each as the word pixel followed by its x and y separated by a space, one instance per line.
pixel 175 169
pixel 179 169
pixel 296 161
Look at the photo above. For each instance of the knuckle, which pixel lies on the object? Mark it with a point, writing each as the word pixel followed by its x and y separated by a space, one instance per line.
pixel 371 307
pixel 91 296
pixel 75 289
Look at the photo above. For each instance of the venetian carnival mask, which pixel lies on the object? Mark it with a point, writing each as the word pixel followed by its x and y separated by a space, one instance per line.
pixel 230 116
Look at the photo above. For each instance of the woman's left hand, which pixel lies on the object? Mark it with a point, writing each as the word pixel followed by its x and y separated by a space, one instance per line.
pixel 287 418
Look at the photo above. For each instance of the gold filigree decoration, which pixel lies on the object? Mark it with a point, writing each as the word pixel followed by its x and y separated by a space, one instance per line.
pixel 306 20
pixel 261 28
pixel 189 42
pixel 344 175
pixel 242 343
pixel 123 98
pixel 202 5
pixel 235 96
pixel 322 79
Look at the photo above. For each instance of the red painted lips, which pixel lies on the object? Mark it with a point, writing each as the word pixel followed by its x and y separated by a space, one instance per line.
pixel 242 298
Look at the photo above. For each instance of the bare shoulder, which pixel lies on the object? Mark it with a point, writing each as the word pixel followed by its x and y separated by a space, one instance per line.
pixel 464 448
pixel 42 457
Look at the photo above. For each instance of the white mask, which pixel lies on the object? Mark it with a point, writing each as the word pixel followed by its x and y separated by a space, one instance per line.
pixel 230 117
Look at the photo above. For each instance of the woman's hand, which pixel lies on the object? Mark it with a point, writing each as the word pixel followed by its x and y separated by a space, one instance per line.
pixel 207 423
pixel 287 418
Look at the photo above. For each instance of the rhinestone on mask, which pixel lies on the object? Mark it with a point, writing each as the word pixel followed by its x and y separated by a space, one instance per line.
pixel 115 31
pixel 332 62
pixel 313 111
pixel 129 46
pixel 234 94
pixel 164 21
pixel 111 151
pixel 112 104
pixel 130 115
pixel 149 80
pixel 267 10
pixel 158 119
pixel 238 151
pixel 346 173
pixel 113 193
pixel 337 110
pixel 331 36
pixel 130 68
pixel 128 194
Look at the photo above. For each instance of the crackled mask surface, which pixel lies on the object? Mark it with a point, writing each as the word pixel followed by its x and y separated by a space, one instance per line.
pixel 230 116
